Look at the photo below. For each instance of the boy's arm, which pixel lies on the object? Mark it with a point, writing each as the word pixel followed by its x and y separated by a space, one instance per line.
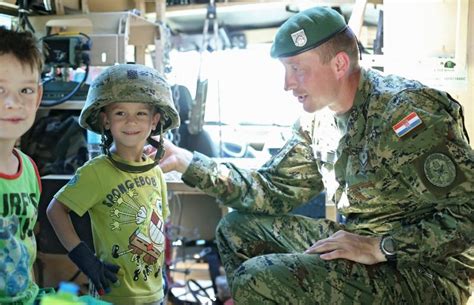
pixel 100 273
pixel 58 215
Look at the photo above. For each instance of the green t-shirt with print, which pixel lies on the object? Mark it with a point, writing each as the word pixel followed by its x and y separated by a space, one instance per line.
pixel 128 212
pixel 19 195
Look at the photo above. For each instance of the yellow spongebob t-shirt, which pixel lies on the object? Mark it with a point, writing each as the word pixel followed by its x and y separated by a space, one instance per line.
pixel 127 212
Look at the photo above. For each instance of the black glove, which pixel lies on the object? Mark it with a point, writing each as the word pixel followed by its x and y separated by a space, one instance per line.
pixel 100 273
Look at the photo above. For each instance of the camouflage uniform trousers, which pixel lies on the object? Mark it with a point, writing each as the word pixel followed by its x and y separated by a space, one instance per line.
pixel 264 262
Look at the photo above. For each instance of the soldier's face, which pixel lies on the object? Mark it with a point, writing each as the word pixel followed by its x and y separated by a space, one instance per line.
pixel 130 123
pixel 312 82
pixel 20 96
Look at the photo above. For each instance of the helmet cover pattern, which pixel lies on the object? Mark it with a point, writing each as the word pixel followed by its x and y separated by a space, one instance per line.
pixel 129 83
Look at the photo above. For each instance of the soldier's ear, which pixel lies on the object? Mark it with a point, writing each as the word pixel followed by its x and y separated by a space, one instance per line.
pixel 341 64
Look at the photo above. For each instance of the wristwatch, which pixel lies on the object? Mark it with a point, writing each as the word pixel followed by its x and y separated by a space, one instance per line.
pixel 388 248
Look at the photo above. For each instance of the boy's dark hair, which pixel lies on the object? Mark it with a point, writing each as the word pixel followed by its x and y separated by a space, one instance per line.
pixel 23 45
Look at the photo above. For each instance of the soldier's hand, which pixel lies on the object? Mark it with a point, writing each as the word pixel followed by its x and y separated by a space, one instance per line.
pixel 175 158
pixel 353 247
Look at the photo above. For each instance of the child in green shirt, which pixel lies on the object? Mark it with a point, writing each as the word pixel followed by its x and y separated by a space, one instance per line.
pixel 20 95
pixel 123 190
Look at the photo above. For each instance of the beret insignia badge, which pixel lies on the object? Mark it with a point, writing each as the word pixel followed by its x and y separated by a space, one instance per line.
pixel 299 38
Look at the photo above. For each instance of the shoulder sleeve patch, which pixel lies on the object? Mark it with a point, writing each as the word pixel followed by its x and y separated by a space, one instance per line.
pixel 438 172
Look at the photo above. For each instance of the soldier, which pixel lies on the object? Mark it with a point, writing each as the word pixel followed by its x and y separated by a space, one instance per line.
pixel 123 190
pixel 404 182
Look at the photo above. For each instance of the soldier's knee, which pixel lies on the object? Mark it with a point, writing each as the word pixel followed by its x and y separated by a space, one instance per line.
pixel 255 279
pixel 256 270
pixel 241 288
pixel 245 277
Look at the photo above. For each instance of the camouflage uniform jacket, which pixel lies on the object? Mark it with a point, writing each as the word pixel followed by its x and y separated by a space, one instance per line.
pixel 419 188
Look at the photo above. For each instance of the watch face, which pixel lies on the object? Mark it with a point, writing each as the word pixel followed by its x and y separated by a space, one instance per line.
pixel 388 245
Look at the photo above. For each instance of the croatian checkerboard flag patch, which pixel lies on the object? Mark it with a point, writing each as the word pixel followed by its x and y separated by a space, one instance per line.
pixel 407 124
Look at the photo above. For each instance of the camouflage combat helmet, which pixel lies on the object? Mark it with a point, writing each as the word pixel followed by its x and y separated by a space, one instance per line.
pixel 129 83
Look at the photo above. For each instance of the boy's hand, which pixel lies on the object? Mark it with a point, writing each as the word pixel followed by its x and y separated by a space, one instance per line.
pixel 100 273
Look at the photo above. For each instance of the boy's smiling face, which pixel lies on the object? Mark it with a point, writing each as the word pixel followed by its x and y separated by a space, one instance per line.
pixel 130 123
pixel 20 96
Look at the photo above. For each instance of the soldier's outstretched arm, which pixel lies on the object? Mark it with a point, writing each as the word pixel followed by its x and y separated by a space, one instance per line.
pixel 288 179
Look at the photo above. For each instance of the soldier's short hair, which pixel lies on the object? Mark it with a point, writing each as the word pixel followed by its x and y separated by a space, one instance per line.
pixel 24 46
pixel 344 41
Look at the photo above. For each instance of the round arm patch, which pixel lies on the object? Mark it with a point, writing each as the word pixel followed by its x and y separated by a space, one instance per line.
pixel 439 169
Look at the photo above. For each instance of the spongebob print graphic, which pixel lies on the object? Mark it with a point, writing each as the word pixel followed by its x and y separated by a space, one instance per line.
pixel 146 243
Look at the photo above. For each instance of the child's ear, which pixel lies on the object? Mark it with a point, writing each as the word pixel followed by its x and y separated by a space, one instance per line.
pixel 104 120
pixel 40 96
pixel 156 119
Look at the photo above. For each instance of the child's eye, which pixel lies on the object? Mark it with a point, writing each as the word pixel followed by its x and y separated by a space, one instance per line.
pixel 119 113
pixel 143 113
pixel 27 91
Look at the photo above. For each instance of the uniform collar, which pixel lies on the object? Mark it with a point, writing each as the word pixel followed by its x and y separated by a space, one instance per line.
pixel 362 89
pixel 359 99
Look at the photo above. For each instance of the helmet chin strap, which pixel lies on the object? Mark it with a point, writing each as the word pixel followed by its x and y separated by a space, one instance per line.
pixel 160 151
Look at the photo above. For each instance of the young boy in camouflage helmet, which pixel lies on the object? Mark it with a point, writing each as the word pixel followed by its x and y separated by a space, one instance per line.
pixel 123 191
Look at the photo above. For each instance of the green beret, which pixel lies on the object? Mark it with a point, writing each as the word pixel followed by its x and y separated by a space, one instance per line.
pixel 307 30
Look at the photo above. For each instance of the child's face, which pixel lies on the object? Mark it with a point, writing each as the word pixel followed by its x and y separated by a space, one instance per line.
pixel 20 96
pixel 130 123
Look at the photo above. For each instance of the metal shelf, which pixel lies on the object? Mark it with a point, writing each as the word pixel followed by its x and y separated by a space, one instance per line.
pixel 68 105
pixel 110 32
